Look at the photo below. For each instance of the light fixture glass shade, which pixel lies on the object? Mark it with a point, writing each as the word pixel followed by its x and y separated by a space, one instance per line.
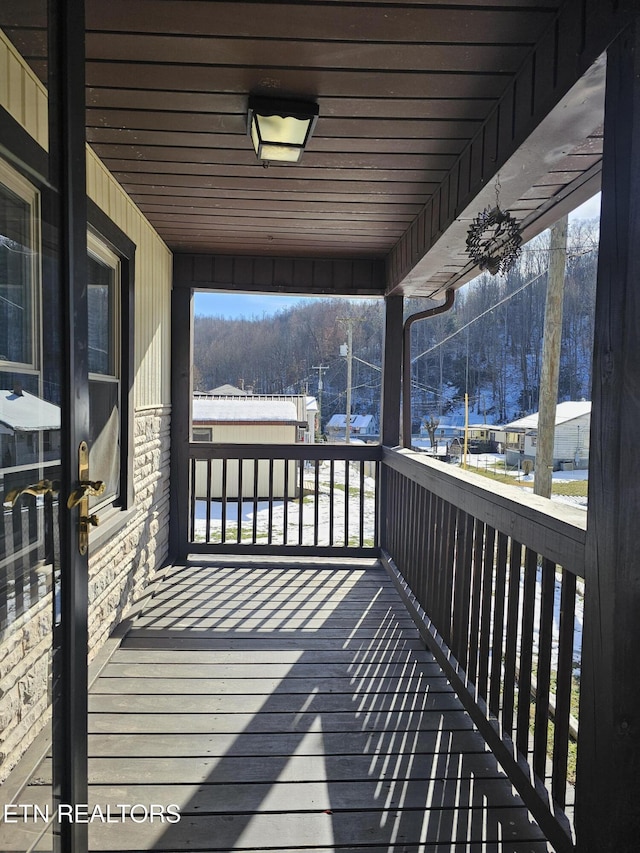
pixel 280 129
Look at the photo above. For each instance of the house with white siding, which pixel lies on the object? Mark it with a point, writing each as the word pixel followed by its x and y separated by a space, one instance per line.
pixel 571 437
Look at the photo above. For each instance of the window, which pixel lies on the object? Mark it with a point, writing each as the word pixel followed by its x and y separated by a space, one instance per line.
pixel 103 305
pixel 19 270
pixel 110 308
pixel 202 434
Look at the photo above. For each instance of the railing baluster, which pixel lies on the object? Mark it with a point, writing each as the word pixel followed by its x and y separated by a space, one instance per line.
pixel 424 580
pixel 254 531
pixel 485 619
pixel 223 514
pixel 450 528
pixel 511 638
pixel 316 501
pixel 545 641
pixel 361 504
pixel 285 521
pixel 498 626
pixel 192 502
pixel 346 501
pixel 208 509
pixel 476 579
pixel 462 590
pixel 332 479
pixel 301 500
pixel 563 689
pixel 526 651
pixel 270 510
pixel 240 502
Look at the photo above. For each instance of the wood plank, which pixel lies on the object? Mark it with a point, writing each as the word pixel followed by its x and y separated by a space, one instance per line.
pixel 317 672
pixel 274 658
pixel 309 796
pixel 279 703
pixel 137 640
pixel 335 624
pixel 231 769
pixel 179 721
pixel 355 687
pixel 286 743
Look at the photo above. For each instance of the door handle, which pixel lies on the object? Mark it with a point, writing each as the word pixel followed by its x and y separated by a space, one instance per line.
pixel 79 497
pixel 44 487
pixel 85 489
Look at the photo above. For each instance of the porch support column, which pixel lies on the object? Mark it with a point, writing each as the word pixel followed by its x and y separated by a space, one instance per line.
pixel 608 776
pixel 392 372
pixel 391 394
pixel 181 397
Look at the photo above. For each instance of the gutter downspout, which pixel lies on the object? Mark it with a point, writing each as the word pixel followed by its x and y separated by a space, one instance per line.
pixel 406 360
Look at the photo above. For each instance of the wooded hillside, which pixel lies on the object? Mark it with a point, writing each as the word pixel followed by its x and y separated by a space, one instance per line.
pixel 488 346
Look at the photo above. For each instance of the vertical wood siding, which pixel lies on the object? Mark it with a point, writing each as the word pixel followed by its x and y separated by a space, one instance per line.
pixel 21 93
pixel 152 283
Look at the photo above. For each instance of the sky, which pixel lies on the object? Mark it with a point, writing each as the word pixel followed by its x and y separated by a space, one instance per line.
pixel 236 305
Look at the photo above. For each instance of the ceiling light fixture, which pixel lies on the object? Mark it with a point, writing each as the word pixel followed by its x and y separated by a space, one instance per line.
pixel 280 129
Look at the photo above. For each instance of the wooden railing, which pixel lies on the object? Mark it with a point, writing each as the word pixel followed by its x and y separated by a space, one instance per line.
pixel 495 579
pixel 26 556
pixel 283 499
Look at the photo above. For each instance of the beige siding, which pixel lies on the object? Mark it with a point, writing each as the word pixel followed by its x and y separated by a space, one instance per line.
pixel 153 286
pixel 21 93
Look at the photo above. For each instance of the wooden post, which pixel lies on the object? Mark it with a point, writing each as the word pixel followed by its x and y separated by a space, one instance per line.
pixel 608 773
pixel 181 396
pixel 390 406
pixel 392 372
pixel 550 359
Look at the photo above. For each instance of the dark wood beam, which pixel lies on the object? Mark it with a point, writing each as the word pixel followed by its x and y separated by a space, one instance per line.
pixel 313 276
pixel 552 75
pixel 608 781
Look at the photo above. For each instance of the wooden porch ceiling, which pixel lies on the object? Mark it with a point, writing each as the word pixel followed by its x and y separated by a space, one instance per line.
pixel 420 104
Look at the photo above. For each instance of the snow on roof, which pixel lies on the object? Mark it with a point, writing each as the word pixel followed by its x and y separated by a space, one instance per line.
pixel 27 413
pixel 357 421
pixel 207 410
pixel 568 411
pixel 312 404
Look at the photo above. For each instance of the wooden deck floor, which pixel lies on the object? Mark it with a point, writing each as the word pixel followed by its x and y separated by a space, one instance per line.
pixel 288 708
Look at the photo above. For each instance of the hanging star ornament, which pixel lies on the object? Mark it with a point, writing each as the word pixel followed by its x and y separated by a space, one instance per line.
pixel 494 240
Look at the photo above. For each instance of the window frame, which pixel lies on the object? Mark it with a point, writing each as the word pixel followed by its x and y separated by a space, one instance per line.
pixel 25 190
pixel 107 233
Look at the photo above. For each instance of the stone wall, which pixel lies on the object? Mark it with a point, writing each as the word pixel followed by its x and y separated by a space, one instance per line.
pixel 122 568
pixel 118 572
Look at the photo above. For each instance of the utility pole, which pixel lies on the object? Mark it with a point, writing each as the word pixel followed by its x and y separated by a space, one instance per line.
pixel 550 371
pixel 321 368
pixel 349 354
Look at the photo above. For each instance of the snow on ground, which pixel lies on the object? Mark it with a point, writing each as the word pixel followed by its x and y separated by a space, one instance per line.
pixel 334 527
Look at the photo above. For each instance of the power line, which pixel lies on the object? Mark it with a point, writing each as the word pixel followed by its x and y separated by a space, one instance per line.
pixel 487 311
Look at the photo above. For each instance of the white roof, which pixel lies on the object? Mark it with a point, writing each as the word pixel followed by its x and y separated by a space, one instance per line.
pixel 568 411
pixel 27 413
pixel 208 411
pixel 312 404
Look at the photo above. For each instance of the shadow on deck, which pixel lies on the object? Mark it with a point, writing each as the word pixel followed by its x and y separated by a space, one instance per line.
pixel 291 707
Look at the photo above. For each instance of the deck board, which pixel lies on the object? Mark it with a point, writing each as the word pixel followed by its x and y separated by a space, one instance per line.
pixel 290 709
